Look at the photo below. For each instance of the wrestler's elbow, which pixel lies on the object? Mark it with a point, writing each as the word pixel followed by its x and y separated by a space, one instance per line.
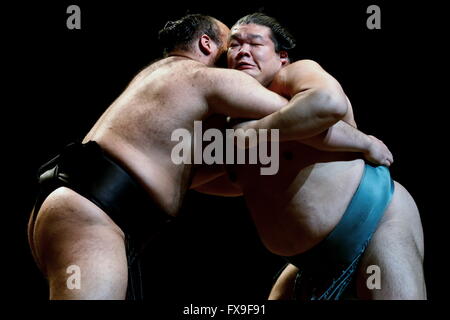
pixel 330 103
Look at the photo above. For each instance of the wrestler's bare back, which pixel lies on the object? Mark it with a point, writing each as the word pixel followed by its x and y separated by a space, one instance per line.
pixel 136 129
pixel 171 94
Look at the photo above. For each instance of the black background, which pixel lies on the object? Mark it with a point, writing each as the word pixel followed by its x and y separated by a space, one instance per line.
pixel 62 80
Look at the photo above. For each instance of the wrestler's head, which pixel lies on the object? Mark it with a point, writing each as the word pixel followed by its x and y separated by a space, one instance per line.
pixel 204 38
pixel 259 47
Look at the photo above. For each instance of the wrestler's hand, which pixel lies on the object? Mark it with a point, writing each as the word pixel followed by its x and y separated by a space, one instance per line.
pixel 378 153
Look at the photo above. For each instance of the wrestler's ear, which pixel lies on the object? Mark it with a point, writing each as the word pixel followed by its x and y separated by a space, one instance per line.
pixel 205 45
pixel 284 58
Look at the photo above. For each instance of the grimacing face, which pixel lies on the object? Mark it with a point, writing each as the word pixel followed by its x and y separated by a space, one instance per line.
pixel 251 50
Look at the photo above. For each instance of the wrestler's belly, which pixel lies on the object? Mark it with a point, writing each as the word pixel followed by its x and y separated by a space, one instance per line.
pixel 300 205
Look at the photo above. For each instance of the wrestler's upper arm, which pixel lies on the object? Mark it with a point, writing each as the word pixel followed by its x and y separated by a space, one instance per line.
pixel 237 94
pixel 308 74
pixel 305 75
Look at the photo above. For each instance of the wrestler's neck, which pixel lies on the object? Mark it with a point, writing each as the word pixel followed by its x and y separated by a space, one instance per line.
pixel 197 56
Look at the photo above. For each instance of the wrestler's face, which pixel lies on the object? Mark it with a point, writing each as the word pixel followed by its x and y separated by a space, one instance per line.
pixel 252 51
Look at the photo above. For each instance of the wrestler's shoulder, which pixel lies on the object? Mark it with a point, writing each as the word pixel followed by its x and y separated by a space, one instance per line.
pixel 297 73
pixel 220 75
pixel 301 65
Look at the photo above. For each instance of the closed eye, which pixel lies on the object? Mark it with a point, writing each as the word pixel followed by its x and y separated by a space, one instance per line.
pixel 233 44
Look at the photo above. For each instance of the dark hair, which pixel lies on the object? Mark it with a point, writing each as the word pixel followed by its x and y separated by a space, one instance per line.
pixel 180 34
pixel 280 36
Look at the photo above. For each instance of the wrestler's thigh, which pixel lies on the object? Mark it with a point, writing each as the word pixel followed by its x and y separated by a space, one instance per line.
pixel 72 234
pixel 397 249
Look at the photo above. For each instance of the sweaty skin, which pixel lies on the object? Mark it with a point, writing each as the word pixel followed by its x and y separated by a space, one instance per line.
pixel 136 131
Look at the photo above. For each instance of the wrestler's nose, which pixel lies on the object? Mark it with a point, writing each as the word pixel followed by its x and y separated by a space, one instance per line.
pixel 244 50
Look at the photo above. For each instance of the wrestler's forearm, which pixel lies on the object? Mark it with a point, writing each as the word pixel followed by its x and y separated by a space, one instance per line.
pixel 340 137
pixel 307 114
